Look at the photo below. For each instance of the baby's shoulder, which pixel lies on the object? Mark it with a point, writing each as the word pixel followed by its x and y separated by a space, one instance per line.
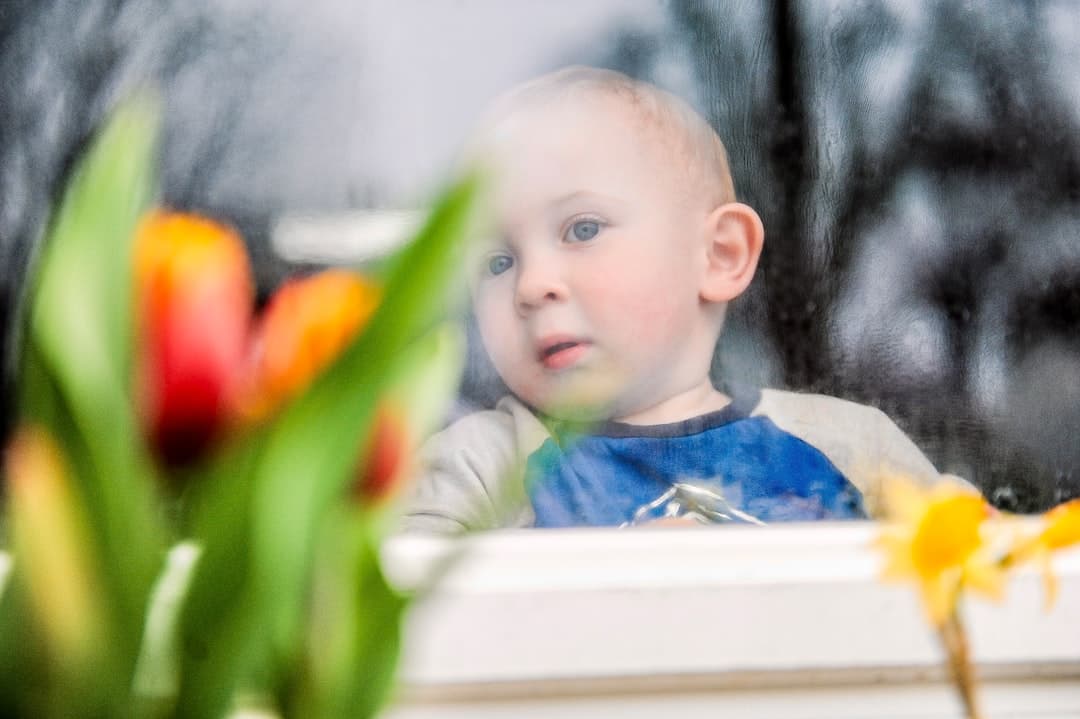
pixel 484 446
pixel 477 426
pixel 861 441
pixel 509 428
pixel 468 474
pixel 823 411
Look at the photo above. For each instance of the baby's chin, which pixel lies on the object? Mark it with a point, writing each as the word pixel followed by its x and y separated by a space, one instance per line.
pixel 580 397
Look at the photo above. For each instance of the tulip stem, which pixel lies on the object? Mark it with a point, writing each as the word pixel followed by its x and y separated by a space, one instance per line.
pixel 953 638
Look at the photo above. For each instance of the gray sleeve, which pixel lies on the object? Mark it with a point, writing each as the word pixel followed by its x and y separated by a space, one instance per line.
pixel 862 442
pixel 463 472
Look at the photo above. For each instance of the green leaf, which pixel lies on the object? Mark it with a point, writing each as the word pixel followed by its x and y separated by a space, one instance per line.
pixel 284 540
pixel 261 548
pixel 76 368
pixel 312 451
pixel 425 379
pixel 221 632
pixel 353 636
pixel 24 666
pixel 157 674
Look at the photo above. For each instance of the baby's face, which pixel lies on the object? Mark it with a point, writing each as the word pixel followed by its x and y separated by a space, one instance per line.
pixel 588 297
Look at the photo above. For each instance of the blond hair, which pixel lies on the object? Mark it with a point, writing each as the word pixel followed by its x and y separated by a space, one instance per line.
pixel 694 140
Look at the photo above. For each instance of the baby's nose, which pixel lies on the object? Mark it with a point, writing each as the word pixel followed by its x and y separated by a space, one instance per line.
pixel 538 283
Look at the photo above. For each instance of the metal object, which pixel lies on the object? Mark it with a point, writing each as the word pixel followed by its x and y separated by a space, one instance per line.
pixel 701 502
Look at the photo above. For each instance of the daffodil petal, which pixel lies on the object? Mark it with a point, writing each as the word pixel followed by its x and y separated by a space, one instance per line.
pixel 1050 583
pixel 904 500
pixel 1062 526
pixel 896 546
pixel 940 594
pixel 985 577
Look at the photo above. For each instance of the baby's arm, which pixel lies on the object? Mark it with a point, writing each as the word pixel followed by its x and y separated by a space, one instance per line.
pixel 861 441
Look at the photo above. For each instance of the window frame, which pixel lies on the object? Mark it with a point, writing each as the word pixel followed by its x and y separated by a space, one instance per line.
pixel 521 619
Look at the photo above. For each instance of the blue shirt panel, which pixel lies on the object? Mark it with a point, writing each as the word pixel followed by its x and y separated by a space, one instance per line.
pixel 599 480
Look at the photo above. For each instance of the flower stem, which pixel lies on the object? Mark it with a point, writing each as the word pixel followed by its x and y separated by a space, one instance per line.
pixel 954 639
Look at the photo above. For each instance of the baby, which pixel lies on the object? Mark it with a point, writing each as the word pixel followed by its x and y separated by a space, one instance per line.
pixel 600 301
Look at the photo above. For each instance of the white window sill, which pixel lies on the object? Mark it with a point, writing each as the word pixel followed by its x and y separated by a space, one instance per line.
pixel 777 621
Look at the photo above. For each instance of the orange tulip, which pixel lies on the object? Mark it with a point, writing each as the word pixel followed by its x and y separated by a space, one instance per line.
pixel 194 298
pixel 308 322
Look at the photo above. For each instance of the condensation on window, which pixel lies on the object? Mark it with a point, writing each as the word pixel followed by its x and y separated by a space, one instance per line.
pixel 916 166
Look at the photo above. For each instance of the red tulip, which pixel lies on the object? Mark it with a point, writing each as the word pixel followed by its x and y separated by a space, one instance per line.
pixel 387 460
pixel 194 301
pixel 412 404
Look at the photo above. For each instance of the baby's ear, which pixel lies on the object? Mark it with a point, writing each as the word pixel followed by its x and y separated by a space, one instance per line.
pixel 734 236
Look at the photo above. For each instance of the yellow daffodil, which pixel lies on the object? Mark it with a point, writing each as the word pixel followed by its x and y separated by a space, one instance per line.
pixel 1061 529
pixel 1062 526
pixel 936 537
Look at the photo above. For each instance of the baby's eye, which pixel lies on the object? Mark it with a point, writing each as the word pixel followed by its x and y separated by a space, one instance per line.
pixel 583 231
pixel 500 264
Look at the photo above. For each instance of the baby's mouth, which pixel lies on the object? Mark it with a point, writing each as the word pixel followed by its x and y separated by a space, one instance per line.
pixel 561 354
pixel 556 348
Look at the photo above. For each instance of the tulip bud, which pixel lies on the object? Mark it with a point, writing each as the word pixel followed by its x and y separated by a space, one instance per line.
pixel 194 301
pixel 52 548
pixel 306 325
pixel 389 451
pixel 412 404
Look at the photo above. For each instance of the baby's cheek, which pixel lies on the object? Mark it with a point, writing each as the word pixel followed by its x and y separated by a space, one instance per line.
pixel 497 335
pixel 645 318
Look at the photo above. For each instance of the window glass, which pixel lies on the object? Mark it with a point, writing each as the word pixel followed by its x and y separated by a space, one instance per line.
pixel 914 166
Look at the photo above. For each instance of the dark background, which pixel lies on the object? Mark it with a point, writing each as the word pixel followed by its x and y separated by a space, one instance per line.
pixel 916 165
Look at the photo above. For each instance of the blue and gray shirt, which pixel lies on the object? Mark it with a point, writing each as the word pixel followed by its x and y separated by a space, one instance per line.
pixel 769 456
pixel 613 474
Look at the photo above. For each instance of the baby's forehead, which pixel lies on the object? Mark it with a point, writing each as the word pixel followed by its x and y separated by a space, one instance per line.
pixel 582 109
pixel 575 112
pixel 584 141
